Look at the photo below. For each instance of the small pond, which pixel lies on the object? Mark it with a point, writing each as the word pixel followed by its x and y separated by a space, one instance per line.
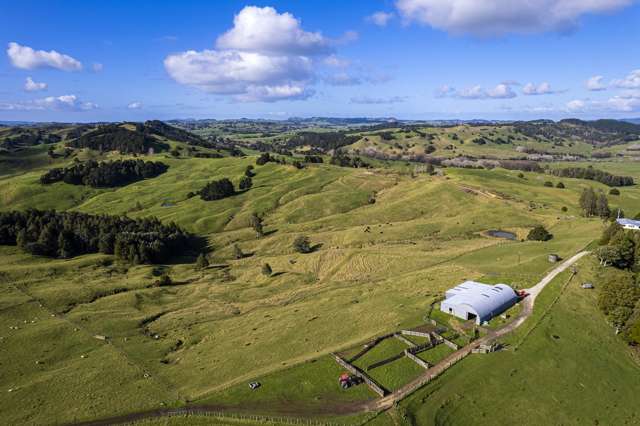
pixel 502 234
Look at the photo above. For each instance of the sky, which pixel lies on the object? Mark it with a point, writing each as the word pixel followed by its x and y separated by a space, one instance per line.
pixel 79 61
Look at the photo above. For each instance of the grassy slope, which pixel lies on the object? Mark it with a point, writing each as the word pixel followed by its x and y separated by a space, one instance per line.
pixel 571 369
pixel 235 324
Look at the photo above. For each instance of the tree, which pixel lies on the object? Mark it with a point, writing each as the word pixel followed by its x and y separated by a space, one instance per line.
pixel 164 280
pixel 266 270
pixel 202 262
pixel 237 252
pixel 248 172
pixel 588 202
pixel 539 233
pixel 614 191
pixel 626 247
pixel 609 233
pixel 548 184
pixel 256 223
pixel 245 183
pixel 602 206
pixel 560 185
pixel 302 244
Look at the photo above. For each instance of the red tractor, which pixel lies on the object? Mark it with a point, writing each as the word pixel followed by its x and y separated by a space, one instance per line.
pixel 346 380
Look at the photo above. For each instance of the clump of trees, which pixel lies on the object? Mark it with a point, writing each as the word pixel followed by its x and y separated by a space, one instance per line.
pixel 342 160
pixel 593 204
pixel 69 234
pixel 106 174
pixel 217 190
pixel 245 183
pixel 539 233
pixel 590 173
pixel 619 289
pixel 113 137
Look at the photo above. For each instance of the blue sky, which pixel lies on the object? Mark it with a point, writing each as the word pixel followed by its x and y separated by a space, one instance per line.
pixel 413 59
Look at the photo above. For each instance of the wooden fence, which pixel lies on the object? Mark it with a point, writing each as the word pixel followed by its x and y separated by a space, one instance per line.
pixel 359 373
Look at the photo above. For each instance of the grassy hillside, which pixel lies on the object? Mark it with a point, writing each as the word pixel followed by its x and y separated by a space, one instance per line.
pixel 376 267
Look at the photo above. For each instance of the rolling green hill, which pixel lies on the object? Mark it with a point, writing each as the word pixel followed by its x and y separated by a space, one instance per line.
pixel 375 267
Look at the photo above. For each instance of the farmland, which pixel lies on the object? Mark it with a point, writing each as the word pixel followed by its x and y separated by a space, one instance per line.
pixel 376 267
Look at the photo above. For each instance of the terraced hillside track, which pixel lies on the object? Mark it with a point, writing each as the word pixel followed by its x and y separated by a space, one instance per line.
pixel 388 401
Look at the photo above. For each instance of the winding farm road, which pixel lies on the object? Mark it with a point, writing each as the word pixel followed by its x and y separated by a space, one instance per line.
pixel 387 401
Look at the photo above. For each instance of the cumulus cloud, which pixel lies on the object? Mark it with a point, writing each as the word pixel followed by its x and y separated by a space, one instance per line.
pixel 596 83
pixel 33 86
pixel 499 17
pixel 241 73
pixel 631 81
pixel 25 57
pixel 55 103
pixel 263 29
pixel 501 91
pixel 135 105
pixel 367 100
pixel 543 88
pixel 266 56
pixel 380 19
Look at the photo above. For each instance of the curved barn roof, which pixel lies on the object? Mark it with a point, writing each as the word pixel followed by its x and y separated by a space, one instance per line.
pixel 485 300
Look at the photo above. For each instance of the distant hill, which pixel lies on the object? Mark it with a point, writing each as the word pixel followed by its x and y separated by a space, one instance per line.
pixel 632 120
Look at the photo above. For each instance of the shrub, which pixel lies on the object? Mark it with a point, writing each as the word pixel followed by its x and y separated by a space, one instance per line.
pixel 564 208
pixel 560 185
pixel 302 244
pixel 245 183
pixel 614 191
pixel 539 233
pixel 202 262
pixel 237 252
pixel 266 270
pixel 548 184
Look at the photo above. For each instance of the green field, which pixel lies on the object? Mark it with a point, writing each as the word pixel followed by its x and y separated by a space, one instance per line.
pixel 377 268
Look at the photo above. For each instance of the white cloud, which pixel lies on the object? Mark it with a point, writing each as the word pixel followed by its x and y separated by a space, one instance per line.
pixel 135 105
pixel 595 83
pixel 97 67
pixel 266 56
pixel 27 58
pixel 543 88
pixel 336 62
pixel 342 79
pixel 501 91
pixel 263 29
pixel 367 100
pixel 498 17
pixel 380 19
pixel 624 103
pixel 238 73
pixel 33 86
pixel 62 103
pixel 631 81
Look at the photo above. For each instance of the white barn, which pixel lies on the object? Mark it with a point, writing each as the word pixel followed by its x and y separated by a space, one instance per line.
pixel 476 301
pixel 629 224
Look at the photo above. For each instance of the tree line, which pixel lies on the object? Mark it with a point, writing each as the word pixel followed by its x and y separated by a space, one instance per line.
pixel 68 234
pixel 106 174
pixel 590 173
